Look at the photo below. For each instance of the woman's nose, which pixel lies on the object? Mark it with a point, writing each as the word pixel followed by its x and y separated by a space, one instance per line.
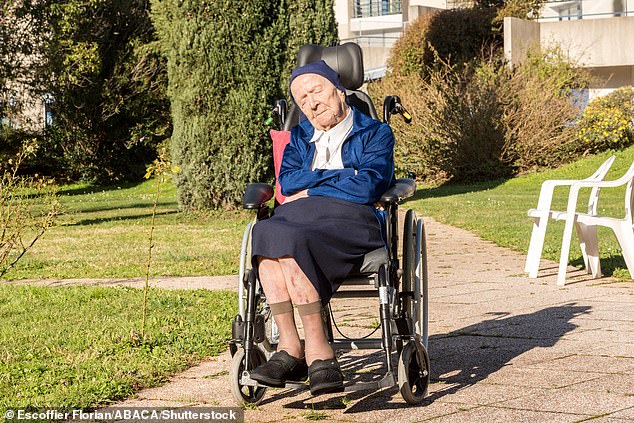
pixel 312 102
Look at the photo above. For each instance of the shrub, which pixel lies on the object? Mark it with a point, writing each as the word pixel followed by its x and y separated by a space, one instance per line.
pixel 455 35
pixel 109 88
pixel 539 108
pixel 225 65
pixel 28 208
pixel 456 132
pixel 608 122
pixel 483 120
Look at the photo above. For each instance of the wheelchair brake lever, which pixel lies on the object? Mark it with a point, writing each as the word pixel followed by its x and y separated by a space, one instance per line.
pixel 407 117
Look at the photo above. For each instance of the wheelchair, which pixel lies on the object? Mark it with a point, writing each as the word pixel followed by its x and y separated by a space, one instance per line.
pixel 400 282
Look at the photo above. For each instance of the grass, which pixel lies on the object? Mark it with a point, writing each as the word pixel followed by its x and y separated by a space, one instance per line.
pixel 496 211
pixel 80 347
pixel 103 234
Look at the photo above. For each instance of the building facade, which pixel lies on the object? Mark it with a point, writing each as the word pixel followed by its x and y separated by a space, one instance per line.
pixel 595 34
pixel 376 25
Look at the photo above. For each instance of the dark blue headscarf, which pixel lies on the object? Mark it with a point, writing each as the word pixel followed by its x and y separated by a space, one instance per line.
pixel 319 68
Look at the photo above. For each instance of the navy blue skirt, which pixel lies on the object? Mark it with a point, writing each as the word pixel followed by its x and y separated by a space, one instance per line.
pixel 326 236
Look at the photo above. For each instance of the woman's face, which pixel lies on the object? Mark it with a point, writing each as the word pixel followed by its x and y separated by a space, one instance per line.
pixel 322 103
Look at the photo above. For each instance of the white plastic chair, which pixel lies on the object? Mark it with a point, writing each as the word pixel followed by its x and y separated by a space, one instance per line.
pixel 587 223
pixel 542 213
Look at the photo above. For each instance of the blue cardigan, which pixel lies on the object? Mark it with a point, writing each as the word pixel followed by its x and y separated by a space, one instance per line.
pixel 368 149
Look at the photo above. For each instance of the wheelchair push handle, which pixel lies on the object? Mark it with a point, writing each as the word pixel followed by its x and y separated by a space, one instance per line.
pixel 278 114
pixel 391 106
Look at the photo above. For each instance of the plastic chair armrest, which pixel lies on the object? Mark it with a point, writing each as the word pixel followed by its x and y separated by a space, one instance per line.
pixel 256 195
pixel 403 188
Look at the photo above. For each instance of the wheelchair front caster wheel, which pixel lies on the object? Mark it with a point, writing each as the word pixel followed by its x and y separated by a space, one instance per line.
pixel 413 372
pixel 244 394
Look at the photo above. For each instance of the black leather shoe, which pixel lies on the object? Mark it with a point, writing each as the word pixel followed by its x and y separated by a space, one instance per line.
pixel 325 376
pixel 281 368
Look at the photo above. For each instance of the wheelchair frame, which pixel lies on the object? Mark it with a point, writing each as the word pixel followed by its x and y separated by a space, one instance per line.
pixel 402 286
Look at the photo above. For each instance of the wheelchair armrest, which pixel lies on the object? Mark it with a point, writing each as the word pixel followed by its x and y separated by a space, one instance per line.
pixel 256 195
pixel 404 188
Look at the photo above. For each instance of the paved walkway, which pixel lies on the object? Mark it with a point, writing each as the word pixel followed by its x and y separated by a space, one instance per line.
pixel 503 348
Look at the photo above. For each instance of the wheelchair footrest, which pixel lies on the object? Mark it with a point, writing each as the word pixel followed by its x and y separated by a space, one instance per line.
pixel 386 382
pixel 357 344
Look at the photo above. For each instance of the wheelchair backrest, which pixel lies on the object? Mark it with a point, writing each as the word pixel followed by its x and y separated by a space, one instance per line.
pixel 347 61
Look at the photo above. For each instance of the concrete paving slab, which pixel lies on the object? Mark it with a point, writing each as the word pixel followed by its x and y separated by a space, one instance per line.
pixel 518 376
pixel 626 413
pixel 619 383
pixel 571 401
pixel 498 415
pixel 588 363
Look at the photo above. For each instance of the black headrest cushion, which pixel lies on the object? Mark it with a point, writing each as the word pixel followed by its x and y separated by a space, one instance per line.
pixel 346 60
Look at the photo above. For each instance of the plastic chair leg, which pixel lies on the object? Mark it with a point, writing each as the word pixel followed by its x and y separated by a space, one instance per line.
pixel 536 246
pixel 589 243
pixel 625 237
pixel 565 250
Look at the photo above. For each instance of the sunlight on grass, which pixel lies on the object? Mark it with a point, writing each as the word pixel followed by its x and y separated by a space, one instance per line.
pixel 80 347
pixel 496 211
pixel 103 234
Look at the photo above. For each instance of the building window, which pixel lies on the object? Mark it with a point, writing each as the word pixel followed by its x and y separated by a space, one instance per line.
pixel 369 8
pixel 569 12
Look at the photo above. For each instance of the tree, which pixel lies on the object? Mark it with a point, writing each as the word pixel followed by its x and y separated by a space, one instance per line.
pixel 109 84
pixel 227 63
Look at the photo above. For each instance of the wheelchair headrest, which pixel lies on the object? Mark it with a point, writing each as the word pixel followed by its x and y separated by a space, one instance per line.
pixel 346 60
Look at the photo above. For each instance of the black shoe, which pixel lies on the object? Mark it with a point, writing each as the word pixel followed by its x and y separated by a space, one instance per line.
pixel 325 376
pixel 281 368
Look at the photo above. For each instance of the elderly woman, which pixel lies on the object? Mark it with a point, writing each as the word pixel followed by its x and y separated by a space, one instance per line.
pixel 338 163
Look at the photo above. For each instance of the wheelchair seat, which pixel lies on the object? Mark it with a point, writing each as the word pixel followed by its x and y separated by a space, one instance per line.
pixel 371 263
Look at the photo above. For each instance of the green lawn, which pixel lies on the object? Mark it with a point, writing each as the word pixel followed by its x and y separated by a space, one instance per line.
pixel 496 211
pixel 80 347
pixel 103 234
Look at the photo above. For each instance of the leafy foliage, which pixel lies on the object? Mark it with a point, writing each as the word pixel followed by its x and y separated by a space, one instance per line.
pixel 97 60
pixel 482 120
pixel 226 63
pixel 454 35
pixel 109 87
pixel 608 122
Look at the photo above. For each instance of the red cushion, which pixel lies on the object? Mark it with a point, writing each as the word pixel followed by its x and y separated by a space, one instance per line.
pixel 280 140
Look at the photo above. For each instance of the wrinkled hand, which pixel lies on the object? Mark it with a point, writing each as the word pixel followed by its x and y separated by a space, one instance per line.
pixel 296 196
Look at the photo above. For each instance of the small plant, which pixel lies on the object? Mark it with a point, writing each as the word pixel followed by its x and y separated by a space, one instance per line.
pixel 28 208
pixel 608 122
pixel 314 415
pixel 161 169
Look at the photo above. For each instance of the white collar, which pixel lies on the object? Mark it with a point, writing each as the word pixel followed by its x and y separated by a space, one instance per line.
pixel 337 132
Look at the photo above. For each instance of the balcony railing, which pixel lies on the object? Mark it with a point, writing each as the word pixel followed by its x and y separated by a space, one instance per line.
pixel 371 8
pixel 565 10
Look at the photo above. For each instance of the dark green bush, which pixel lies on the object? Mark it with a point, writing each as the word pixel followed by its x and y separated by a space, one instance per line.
pixel 455 36
pixel 109 82
pixel 226 63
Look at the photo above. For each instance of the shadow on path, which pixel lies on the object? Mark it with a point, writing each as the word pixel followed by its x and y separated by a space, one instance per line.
pixel 458 359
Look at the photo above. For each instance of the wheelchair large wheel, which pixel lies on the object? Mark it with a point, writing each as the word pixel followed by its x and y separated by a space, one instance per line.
pixel 413 372
pixel 410 281
pixel 241 393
